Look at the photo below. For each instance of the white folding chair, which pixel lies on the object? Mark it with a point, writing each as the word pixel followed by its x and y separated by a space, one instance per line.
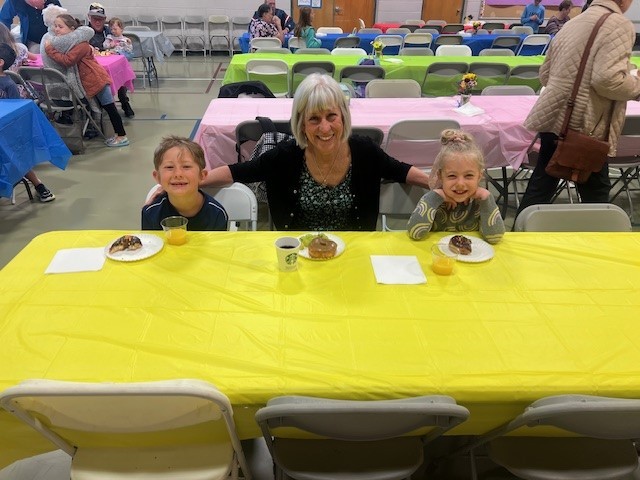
pixel 297 42
pixel 349 51
pixel 508 90
pixel 573 217
pixel 537 39
pixel 406 138
pixel 218 27
pixel 330 30
pixel 390 41
pixel 398 201
pixel 195 34
pixel 453 51
pixel 496 52
pixel 522 30
pixel 240 203
pixel 264 42
pixel 239 26
pixel 396 88
pixel 413 21
pixel 150 21
pixel 172 28
pixel 274 73
pixel 417 40
pixel 174 428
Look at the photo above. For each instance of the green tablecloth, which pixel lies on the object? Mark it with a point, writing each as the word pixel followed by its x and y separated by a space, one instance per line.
pixel 413 67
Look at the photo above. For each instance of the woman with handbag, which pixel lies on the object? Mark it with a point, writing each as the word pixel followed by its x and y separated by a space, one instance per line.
pixel 594 71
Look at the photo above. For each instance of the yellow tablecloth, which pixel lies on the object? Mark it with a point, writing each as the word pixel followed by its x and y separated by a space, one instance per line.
pixel 551 313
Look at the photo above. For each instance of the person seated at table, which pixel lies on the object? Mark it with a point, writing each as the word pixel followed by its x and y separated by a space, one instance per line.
pixel 94 78
pixel 23 55
pixel 324 178
pixel 457 202
pixel 266 25
pixel 556 22
pixel 179 168
pixel 116 42
pixel 97 18
pixel 288 25
pixel 9 90
pixel 305 30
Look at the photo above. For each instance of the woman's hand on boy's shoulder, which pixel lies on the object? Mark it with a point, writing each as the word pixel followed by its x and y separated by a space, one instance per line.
pixel 156 194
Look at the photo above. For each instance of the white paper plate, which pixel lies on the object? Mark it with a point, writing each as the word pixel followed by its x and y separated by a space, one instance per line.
pixel 392 60
pixel 481 251
pixel 341 246
pixel 151 244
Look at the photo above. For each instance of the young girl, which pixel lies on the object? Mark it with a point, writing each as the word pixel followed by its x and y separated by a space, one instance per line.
pixel 95 80
pixel 116 42
pixel 305 30
pixel 22 52
pixel 456 175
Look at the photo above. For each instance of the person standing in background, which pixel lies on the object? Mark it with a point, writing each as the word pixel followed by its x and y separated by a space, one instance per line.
pixel 286 21
pixel 97 19
pixel 29 12
pixel 533 15
pixel 556 22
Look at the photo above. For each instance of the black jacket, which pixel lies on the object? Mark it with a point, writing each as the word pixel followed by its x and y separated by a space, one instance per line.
pixel 281 169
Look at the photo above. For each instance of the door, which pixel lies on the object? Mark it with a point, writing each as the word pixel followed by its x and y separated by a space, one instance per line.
pixel 340 13
pixel 449 10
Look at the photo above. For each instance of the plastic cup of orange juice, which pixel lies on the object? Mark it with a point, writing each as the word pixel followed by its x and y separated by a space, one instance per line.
pixel 444 260
pixel 175 229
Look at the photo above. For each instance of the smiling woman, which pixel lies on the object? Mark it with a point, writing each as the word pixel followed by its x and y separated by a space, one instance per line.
pixel 324 179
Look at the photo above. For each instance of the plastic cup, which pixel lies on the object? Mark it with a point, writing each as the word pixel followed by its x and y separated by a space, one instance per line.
pixel 444 260
pixel 175 230
pixel 287 249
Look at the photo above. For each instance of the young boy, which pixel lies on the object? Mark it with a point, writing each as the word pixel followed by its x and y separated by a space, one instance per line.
pixel 179 169
pixel 9 89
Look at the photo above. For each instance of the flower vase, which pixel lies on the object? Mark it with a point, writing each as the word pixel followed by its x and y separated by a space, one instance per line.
pixel 378 54
pixel 464 99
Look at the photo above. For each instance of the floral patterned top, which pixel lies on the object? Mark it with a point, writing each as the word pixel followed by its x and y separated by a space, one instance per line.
pixel 259 29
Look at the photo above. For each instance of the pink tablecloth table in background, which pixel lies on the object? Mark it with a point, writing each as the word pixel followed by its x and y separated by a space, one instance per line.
pixel 117 66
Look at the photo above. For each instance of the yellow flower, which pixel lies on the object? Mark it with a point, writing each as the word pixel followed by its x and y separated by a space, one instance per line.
pixel 476 25
pixel 377 45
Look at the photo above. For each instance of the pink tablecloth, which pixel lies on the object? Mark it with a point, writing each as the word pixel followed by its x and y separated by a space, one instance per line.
pixel 498 131
pixel 118 68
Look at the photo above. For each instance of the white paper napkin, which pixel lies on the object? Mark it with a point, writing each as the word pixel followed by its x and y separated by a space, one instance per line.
pixel 77 260
pixel 469 110
pixel 397 269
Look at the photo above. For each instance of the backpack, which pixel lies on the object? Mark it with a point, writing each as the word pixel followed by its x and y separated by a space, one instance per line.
pixel 268 140
pixel 245 89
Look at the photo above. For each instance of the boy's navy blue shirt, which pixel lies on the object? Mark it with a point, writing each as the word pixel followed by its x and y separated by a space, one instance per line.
pixel 212 216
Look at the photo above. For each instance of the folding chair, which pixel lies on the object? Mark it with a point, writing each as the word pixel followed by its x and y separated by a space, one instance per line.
pixel 57 96
pixel 218 26
pixel 359 75
pixel 24 182
pixel 602 450
pixel 250 131
pixel 373 133
pixel 239 25
pixel 274 73
pixel 315 51
pixel 296 42
pixel 150 21
pixel 452 28
pixel 390 43
pixel 300 70
pixel 417 40
pixel 281 50
pixel 414 21
pixel 503 31
pixel 573 217
pixel 508 90
pixel 193 421
pixel 330 30
pixel 347 42
pixel 411 28
pixel 127 20
pixel 448 40
pixel 397 88
pixel 496 52
pixel 538 40
pixel 264 42
pixel 482 31
pixel 416 51
pixel 370 30
pixel 444 73
pixel 440 23
pixel 137 28
pixel 406 138
pixel 349 51
pixel 398 201
pixel 148 71
pixel 453 51
pixel 490 26
pixel 432 29
pixel 522 30
pixel 356 440
pixel 489 74
pixel 195 34
pixel 510 42
pixel 171 27
pixel 626 169
pixel 525 75
pixel 398 31
pixel 239 202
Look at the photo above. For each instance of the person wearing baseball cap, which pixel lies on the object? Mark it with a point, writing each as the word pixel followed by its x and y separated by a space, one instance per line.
pixel 97 19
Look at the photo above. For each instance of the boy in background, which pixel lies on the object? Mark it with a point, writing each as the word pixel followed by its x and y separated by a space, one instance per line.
pixel 179 169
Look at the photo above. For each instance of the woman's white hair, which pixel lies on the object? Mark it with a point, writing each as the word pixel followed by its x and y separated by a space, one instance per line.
pixel 316 93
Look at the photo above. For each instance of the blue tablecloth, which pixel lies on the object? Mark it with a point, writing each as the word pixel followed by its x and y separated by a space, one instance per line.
pixel 26 139
pixel 475 42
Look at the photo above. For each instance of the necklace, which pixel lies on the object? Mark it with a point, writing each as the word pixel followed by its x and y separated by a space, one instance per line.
pixel 324 179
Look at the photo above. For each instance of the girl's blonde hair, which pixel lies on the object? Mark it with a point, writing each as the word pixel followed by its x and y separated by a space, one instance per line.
pixel 454 143
pixel 116 21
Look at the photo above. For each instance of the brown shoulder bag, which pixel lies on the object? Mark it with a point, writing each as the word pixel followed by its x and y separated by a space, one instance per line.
pixel 578 155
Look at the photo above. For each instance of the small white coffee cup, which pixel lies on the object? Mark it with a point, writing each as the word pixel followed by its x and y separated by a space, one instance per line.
pixel 287 249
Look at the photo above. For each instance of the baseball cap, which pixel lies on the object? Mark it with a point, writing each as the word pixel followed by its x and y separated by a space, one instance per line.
pixel 96 10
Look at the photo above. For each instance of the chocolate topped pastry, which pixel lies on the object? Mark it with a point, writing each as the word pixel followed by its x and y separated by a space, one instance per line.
pixel 460 244
pixel 126 242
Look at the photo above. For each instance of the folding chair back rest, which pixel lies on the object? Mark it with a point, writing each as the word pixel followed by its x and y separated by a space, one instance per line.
pixel 240 203
pixel 576 217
